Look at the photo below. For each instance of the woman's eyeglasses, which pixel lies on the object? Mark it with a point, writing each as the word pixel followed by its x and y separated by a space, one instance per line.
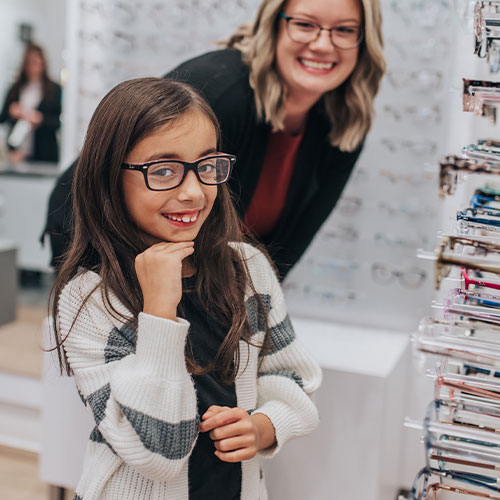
pixel 304 31
pixel 162 175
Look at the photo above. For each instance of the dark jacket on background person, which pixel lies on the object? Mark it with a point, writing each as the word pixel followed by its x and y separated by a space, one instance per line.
pixel 319 176
pixel 45 147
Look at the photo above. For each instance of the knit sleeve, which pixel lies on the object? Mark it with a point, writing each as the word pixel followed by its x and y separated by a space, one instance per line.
pixel 135 382
pixel 288 375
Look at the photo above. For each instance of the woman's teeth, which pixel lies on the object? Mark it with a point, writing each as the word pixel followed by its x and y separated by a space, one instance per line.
pixel 316 65
pixel 184 218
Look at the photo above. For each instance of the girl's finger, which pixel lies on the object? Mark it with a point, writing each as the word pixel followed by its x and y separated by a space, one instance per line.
pixel 214 410
pixel 235 456
pixel 223 418
pixel 235 443
pixel 229 430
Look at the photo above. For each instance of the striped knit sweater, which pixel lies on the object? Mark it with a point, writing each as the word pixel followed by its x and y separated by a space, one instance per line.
pixel 143 400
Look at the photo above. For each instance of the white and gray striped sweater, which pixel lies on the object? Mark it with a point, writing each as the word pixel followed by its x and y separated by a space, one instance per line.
pixel 143 399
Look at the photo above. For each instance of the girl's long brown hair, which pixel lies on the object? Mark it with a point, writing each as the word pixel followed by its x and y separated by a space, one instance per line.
pixel 106 240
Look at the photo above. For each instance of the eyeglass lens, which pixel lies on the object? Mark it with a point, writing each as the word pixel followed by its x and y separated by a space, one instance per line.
pixel 343 37
pixel 169 174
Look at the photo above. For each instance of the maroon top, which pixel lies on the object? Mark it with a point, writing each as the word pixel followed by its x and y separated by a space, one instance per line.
pixel 271 192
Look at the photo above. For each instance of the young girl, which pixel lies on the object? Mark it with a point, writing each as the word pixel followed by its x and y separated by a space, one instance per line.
pixel 175 330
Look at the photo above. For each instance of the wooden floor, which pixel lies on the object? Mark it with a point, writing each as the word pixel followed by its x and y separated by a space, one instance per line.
pixel 19 476
pixel 21 354
pixel 20 342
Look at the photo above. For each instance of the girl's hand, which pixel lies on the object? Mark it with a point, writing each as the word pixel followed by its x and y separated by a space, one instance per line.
pixel 159 271
pixel 237 435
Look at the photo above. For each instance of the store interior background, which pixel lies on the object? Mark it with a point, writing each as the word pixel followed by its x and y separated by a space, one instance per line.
pixel 350 308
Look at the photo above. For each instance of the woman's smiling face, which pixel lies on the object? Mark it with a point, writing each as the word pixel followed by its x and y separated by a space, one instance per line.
pixel 315 68
pixel 177 214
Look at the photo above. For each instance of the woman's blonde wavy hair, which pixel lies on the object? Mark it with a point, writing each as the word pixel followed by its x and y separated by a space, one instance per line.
pixel 349 106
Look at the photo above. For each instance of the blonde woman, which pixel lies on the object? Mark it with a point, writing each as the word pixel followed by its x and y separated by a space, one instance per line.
pixel 293 92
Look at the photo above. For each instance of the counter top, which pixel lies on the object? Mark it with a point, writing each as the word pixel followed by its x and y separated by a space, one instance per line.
pixel 30 169
pixel 349 348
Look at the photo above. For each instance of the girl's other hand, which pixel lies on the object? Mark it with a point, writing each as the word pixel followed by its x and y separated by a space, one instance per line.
pixel 159 271
pixel 237 435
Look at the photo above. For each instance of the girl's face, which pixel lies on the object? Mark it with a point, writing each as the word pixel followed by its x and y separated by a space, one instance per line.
pixel 315 68
pixel 188 138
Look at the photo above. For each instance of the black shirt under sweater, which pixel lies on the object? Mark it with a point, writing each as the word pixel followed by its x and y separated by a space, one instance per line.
pixel 209 477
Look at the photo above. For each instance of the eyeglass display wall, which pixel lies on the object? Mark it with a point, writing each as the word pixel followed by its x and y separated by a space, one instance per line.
pixel 362 266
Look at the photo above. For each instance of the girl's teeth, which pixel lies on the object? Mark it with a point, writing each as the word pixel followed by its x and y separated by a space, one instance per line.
pixel 185 219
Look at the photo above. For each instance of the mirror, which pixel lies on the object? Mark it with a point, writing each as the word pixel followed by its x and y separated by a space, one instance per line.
pixel 30 126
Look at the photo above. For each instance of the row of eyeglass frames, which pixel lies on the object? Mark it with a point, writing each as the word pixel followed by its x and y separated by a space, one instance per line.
pixel 460 345
pixel 462 425
pixel 487 32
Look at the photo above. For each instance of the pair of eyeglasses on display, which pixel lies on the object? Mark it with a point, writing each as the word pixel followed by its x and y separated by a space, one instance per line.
pixel 474 152
pixel 424 14
pixel 416 115
pixel 317 294
pixel 340 234
pixel 482 202
pixel 386 274
pixel 481 97
pixel 411 208
pixel 349 205
pixel 414 179
pixel 487 32
pixel 306 31
pixel 479 298
pixel 451 166
pixel 394 240
pixel 422 81
pixel 457 342
pixel 423 49
pixel 324 266
pixel 450 445
pixel 446 259
pixel 417 147
pixel 163 175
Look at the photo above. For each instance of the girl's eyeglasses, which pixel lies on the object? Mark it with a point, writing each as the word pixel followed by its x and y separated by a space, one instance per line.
pixel 304 31
pixel 162 175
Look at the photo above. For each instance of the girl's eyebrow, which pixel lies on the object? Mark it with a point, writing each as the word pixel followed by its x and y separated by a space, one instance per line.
pixel 175 156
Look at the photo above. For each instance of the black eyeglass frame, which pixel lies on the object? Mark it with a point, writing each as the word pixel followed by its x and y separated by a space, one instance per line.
pixel 188 166
pixel 330 30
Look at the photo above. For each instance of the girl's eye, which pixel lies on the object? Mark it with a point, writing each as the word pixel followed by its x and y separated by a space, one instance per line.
pixel 162 172
pixel 205 168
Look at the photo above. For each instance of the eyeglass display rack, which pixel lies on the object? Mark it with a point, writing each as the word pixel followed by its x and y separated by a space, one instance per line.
pixel 361 268
pixel 458 346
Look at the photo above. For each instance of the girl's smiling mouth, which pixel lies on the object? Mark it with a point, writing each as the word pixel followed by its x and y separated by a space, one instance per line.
pixel 182 219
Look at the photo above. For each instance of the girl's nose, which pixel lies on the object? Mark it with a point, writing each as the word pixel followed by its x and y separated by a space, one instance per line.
pixel 191 188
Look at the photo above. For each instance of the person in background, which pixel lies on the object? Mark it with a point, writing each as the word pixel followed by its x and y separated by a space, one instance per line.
pixel 32 108
pixel 174 327
pixel 293 92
